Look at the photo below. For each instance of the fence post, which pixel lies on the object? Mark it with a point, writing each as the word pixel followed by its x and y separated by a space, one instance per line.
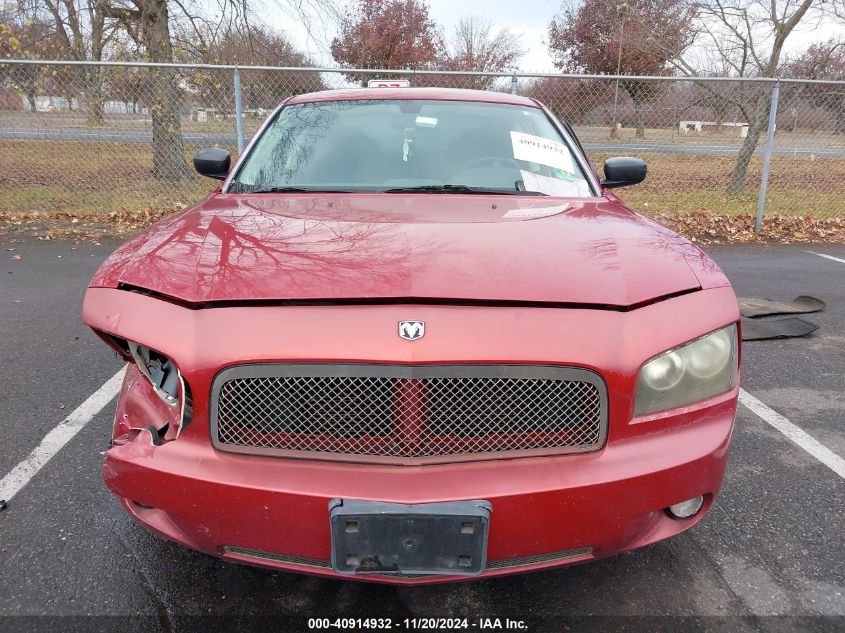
pixel 767 158
pixel 239 111
pixel 513 84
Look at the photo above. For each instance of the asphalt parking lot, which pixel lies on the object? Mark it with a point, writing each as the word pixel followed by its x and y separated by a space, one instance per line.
pixel 770 555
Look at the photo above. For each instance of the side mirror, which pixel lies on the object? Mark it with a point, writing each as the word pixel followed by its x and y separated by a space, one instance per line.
pixel 214 163
pixel 623 171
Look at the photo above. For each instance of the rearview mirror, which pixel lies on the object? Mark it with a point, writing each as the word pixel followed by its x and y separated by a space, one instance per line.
pixel 213 163
pixel 623 171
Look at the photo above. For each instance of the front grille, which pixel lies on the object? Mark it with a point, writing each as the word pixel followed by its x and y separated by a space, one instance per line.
pixel 424 413
pixel 536 559
pixel 502 563
pixel 300 561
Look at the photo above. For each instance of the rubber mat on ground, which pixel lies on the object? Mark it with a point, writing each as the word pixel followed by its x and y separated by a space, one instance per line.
pixel 790 327
pixel 753 307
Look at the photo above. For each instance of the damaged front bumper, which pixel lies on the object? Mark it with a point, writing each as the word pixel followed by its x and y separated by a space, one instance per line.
pixel 546 511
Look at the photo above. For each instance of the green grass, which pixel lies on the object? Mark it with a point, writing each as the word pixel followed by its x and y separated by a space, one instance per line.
pixel 81 177
pixel 685 184
pixel 796 202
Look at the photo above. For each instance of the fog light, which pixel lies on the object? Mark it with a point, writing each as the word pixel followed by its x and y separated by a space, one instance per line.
pixel 688 508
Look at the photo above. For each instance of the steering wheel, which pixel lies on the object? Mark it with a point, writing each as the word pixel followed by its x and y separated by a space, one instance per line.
pixel 493 160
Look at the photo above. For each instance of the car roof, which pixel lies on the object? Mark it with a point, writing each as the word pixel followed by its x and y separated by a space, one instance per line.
pixel 435 94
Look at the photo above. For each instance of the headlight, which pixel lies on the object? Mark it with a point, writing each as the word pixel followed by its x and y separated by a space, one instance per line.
pixel 699 369
pixel 664 372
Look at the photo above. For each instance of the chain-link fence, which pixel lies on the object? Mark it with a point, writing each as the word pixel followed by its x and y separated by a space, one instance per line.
pixel 79 137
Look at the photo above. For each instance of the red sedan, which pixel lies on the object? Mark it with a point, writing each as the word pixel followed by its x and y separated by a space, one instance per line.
pixel 413 338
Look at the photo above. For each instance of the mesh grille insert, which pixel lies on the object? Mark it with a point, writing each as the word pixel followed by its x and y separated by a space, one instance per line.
pixel 407 412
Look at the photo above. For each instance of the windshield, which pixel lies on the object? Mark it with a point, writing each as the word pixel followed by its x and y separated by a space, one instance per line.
pixel 397 146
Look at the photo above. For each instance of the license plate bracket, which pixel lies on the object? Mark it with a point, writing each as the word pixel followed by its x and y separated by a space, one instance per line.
pixel 372 537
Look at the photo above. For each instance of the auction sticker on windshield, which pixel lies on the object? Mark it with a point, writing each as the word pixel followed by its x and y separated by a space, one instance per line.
pixel 554 186
pixel 536 149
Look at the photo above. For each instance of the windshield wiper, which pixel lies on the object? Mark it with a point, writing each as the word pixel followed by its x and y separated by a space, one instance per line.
pixel 462 189
pixel 278 190
pixel 243 189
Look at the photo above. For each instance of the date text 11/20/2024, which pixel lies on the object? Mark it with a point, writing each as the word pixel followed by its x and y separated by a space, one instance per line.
pixel 418 624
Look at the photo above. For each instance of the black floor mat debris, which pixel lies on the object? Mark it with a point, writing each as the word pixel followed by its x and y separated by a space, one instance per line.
pixel 755 330
pixel 753 307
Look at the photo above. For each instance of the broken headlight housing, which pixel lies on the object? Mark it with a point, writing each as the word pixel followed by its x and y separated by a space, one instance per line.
pixel 159 370
pixel 164 414
pixel 164 423
pixel 691 372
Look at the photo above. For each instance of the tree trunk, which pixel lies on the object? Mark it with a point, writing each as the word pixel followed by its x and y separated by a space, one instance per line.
pixel 641 94
pixel 759 121
pixel 720 110
pixel 638 113
pixel 94 102
pixel 30 96
pixel 168 148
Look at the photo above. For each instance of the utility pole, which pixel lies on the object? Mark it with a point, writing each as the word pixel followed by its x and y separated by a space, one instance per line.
pixel 623 10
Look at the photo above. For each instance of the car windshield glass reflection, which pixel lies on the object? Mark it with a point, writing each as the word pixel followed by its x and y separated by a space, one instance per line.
pixel 405 146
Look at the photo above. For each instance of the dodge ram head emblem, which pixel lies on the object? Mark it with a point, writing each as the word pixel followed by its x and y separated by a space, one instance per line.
pixel 411 330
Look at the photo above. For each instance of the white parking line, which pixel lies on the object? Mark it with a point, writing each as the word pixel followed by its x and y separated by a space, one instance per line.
pixel 791 431
pixel 836 259
pixel 53 442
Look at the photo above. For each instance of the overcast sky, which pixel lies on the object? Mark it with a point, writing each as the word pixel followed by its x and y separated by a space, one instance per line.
pixel 528 18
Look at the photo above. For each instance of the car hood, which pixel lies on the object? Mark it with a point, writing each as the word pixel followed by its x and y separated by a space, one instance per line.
pixel 433 247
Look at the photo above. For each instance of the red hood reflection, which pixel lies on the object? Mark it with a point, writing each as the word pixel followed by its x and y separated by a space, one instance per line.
pixel 361 246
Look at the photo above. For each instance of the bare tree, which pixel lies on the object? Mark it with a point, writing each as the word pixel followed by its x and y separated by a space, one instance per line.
pixel 319 18
pixel 26 36
pixel 148 24
pixel 747 37
pixel 126 84
pixel 82 29
pixel 256 46
pixel 475 46
pixel 151 25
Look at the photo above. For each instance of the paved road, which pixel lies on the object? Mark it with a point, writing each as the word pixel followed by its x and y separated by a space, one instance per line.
pixel 771 550
pixel 229 139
